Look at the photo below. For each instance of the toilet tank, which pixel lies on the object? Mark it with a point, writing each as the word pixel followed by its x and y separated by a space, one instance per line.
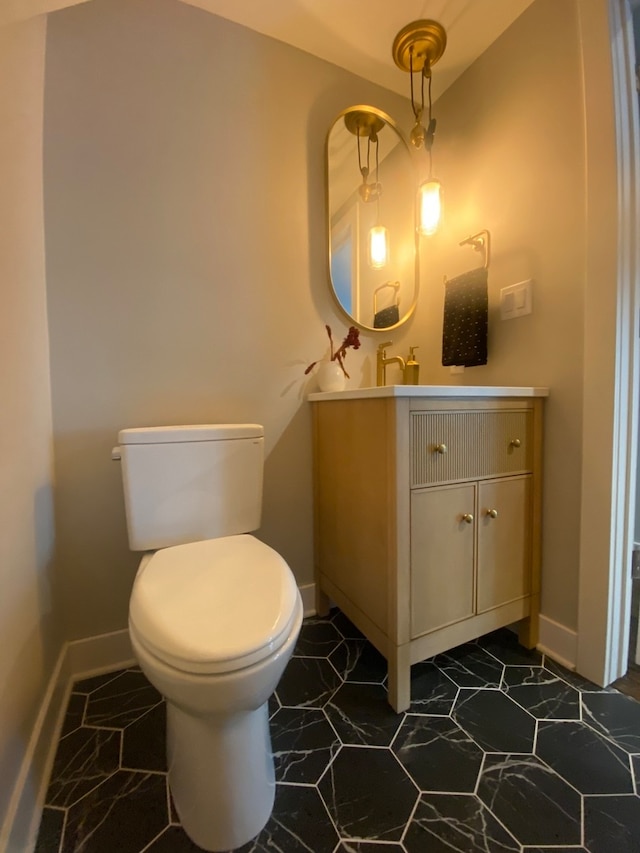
pixel 186 483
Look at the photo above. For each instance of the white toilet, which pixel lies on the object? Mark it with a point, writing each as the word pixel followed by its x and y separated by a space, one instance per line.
pixel 214 616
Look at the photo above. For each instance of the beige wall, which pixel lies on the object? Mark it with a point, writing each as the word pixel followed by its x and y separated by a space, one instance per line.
pixel 28 636
pixel 186 262
pixel 186 257
pixel 510 153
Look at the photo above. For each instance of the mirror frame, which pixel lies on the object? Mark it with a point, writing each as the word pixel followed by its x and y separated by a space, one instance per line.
pixel 416 242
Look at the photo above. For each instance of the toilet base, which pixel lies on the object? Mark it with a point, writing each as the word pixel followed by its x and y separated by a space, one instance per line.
pixel 221 775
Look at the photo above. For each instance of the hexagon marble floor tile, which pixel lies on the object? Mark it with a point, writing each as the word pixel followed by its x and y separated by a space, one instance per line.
pixel 501 751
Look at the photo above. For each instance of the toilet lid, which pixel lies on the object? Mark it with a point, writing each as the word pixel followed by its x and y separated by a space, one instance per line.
pixel 213 606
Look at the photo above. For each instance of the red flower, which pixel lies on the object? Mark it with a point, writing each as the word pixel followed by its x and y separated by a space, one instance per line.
pixel 352 340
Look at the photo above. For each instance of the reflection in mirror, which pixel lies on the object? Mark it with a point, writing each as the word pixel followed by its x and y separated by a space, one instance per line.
pixel 373 256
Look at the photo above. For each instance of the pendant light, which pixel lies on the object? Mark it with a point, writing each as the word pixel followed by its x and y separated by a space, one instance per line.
pixel 416 48
pixel 365 124
pixel 378 247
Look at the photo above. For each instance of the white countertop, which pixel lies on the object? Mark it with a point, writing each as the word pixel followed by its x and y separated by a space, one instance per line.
pixel 451 391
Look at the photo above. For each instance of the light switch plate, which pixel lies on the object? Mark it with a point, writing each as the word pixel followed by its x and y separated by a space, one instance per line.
pixel 516 300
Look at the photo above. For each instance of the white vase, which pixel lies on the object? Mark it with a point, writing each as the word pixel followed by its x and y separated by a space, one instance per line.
pixel 330 376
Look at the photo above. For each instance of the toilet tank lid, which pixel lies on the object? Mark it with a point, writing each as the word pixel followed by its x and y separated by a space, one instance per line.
pixel 189 432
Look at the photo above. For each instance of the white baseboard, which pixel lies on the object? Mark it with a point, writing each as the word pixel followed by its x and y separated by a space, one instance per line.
pixel 77 659
pixel 95 655
pixel 308 595
pixel 20 828
pixel 559 642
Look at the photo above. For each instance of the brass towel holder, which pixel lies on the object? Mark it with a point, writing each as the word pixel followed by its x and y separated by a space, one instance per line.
pixel 481 242
pixel 395 285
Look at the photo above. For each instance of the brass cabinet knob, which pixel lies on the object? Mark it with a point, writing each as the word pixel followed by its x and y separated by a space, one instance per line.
pixel 441 448
pixel 468 518
pixel 492 513
pixel 515 442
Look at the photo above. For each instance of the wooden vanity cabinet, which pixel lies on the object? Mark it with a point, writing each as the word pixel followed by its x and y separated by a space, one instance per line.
pixel 427 521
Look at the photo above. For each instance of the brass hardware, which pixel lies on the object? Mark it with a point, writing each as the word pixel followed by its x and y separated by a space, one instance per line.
pixel 481 242
pixel 340 140
pixel 382 361
pixel 441 448
pixel 394 285
pixel 411 368
pixel 388 314
pixel 492 513
pixel 363 122
pixel 468 518
pixel 419 43
pixel 416 49
pixel 515 442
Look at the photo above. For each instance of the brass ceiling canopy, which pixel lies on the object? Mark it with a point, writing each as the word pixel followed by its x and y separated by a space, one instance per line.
pixel 419 43
pixel 363 123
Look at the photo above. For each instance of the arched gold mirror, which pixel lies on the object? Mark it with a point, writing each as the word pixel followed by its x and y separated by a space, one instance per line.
pixel 373 248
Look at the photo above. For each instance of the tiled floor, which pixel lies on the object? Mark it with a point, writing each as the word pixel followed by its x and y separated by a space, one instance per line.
pixel 501 752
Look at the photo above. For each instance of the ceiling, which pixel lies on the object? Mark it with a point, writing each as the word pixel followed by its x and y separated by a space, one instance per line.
pixel 358 34
pixel 355 34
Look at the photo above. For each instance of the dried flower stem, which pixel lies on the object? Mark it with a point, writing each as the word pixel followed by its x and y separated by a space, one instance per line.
pixel 352 340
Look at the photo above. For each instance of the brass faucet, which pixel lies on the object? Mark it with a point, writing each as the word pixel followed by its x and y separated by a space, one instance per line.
pixel 382 361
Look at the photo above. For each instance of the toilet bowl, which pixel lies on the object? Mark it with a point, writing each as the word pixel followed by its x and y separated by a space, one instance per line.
pixel 213 624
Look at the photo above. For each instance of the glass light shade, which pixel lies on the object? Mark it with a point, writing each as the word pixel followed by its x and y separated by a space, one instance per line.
pixel 378 247
pixel 429 206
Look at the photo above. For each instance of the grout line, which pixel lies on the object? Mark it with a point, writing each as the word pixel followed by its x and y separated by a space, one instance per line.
pixel 153 840
pixel 169 811
pixel 64 831
pixel 144 770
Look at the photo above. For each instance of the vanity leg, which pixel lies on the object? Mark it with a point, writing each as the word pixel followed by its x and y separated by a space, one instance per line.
pixel 528 628
pixel 322 601
pixel 399 682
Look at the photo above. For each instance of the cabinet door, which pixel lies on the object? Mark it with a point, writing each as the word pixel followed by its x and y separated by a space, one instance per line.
pixel 442 552
pixel 504 541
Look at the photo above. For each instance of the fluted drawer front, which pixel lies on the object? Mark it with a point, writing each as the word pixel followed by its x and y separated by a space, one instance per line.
pixel 453 446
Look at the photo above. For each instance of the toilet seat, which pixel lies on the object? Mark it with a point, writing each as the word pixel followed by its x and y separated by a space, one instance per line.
pixel 213 606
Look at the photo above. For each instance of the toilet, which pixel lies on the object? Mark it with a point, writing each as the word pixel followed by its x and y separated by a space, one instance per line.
pixel 214 616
